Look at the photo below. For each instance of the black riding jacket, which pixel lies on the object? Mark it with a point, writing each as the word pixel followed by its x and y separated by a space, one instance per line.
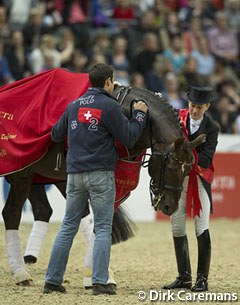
pixel 91 124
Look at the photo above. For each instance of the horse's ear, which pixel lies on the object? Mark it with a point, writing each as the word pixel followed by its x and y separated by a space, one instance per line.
pixel 178 143
pixel 117 84
pixel 199 140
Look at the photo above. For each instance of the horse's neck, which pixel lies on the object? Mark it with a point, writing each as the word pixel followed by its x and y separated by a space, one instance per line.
pixel 164 123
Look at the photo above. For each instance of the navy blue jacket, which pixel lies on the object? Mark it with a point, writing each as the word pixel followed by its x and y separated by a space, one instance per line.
pixel 91 124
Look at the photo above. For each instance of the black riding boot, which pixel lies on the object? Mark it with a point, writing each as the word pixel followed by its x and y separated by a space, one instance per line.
pixel 184 279
pixel 204 258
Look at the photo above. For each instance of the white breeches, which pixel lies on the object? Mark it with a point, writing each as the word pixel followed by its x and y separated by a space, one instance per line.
pixel 178 219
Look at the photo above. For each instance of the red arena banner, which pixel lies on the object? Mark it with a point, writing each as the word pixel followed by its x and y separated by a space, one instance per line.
pixel 225 186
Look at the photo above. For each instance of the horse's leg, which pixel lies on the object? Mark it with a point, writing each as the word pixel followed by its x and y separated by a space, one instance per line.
pixel 20 183
pixel 42 212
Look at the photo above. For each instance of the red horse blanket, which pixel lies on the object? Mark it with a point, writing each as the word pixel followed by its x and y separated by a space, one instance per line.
pixel 28 110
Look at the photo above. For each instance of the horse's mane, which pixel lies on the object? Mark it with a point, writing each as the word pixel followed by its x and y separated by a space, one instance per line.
pixel 170 113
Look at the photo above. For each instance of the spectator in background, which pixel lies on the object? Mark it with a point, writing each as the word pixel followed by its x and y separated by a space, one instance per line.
pixel 192 35
pixel 173 5
pixel 172 91
pixel 223 41
pixel 49 46
pixel 224 114
pixel 137 80
pixel 49 61
pixel 17 56
pixel 227 106
pixel 189 75
pixel 100 45
pixel 76 15
pixel 101 13
pixel 232 9
pixel 19 14
pixel 155 78
pixel 33 29
pixel 205 60
pixel 119 61
pixel 160 11
pixel 78 62
pixel 204 10
pixel 97 59
pixel 143 5
pixel 219 4
pixel 52 18
pixel 229 88
pixel 123 10
pixel 134 35
pixel 176 53
pixel 143 62
pixel 221 73
pixel 5 73
pixel 65 41
pixel 5 29
pixel 171 29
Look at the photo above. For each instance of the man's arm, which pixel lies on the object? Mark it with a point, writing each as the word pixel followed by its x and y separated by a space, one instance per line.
pixel 128 132
pixel 59 130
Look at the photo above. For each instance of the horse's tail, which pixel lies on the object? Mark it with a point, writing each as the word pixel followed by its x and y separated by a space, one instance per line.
pixel 123 227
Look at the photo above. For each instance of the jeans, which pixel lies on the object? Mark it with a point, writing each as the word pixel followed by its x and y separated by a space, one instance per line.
pixel 99 188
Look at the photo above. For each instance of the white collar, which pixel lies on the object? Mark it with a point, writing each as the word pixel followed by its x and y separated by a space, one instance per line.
pixel 195 124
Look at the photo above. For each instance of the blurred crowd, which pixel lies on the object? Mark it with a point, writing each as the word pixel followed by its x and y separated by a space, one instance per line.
pixel 161 45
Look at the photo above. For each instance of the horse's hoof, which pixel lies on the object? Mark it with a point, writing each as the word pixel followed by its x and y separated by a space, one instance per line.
pixel 29 259
pixel 25 283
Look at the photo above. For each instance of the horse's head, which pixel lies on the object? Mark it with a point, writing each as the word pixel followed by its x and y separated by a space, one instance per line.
pixel 168 166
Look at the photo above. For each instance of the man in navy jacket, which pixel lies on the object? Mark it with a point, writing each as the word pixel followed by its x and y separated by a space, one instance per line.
pixel 91 124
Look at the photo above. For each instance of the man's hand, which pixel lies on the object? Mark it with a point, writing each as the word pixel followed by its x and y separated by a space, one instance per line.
pixel 140 105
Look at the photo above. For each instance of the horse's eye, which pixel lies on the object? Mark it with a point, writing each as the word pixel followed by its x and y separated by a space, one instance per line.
pixel 174 164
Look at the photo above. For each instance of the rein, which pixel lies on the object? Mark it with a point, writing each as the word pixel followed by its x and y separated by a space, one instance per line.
pixel 156 188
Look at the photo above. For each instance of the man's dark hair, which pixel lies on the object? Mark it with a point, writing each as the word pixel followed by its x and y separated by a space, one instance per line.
pixel 99 73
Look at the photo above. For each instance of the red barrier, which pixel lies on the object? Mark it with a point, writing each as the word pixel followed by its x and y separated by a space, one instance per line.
pixel 225 187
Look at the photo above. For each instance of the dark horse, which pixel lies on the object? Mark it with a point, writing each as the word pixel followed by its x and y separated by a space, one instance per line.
pixel 170 160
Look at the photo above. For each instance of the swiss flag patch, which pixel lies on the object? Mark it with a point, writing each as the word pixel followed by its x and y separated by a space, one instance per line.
pixel 85 115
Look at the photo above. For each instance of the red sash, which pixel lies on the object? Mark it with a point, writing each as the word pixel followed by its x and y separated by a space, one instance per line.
pixel 206 173
pixel 126 174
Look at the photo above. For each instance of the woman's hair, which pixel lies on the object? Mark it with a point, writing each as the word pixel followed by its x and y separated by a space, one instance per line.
pixel 99 73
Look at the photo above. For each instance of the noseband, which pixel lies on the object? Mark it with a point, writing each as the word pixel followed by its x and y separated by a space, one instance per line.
pixel 156 188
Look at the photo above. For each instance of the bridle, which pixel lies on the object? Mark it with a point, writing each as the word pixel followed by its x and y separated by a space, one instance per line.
pixel 124 91
pixel 156 188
